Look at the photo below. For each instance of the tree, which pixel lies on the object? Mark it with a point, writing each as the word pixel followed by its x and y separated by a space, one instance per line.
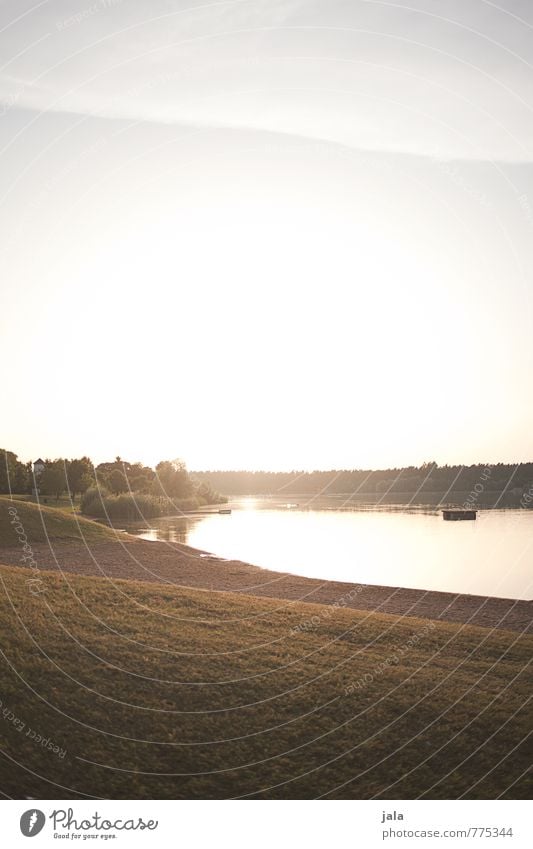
pixel 22 478
pixel 53 480
pixel 172 479
pixel 139 483
pixel 13 473
pixel 117 481
pixel 80 475
pixel 207 493
pixel 86 481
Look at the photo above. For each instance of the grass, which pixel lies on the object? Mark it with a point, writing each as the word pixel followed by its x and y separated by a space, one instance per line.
pixel 40 523
pixel 64 502
pixel 161 692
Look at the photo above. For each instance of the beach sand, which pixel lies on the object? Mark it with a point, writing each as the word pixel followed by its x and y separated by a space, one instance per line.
pixel 172 563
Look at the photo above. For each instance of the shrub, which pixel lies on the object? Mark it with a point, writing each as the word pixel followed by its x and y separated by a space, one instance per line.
pixel 91 501
pixel 133 508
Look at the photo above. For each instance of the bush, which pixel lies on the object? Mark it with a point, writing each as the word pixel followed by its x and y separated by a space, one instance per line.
pixel 91 500
pixel 207 495
pixel 132 508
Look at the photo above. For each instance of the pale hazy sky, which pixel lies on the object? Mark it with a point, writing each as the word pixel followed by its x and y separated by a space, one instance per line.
pixel 267 234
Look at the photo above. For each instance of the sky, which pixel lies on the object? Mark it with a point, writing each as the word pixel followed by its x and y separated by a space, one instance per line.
pixel 267 234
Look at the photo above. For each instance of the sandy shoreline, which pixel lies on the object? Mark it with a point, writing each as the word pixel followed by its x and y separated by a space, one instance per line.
pixel 172 563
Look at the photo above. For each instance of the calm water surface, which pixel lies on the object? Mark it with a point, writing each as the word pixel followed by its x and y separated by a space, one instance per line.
pixel 491 556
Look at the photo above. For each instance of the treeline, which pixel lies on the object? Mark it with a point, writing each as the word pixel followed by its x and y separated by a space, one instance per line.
pixel 133 492
pixel 446 482
pixel 14 476
pixel 117 489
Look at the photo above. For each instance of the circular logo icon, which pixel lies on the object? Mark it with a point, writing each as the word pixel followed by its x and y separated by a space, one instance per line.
pixel 31 822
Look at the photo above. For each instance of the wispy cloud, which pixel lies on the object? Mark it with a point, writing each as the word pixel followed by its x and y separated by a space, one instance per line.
pixel 438 80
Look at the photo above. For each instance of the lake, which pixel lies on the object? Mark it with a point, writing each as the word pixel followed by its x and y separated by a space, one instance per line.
pixel 490 556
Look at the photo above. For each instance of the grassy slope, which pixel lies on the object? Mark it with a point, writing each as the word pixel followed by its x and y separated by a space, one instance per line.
pixel 41 523
pixel 64 502
pixel 215 695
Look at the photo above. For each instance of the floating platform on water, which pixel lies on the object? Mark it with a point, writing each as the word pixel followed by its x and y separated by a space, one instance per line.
pixel 457 515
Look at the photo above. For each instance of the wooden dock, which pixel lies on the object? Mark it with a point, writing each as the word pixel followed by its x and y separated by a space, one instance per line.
pixel 458 515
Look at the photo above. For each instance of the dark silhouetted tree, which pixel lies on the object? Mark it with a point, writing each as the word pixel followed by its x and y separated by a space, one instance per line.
pixel 117 481
pixel 80 475
pixel 53 480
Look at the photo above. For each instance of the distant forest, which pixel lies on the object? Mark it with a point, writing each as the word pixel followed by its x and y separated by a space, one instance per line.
pixel 483 484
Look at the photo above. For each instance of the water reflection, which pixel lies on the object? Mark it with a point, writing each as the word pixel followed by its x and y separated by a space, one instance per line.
pixel 168 530
pixel 491 556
